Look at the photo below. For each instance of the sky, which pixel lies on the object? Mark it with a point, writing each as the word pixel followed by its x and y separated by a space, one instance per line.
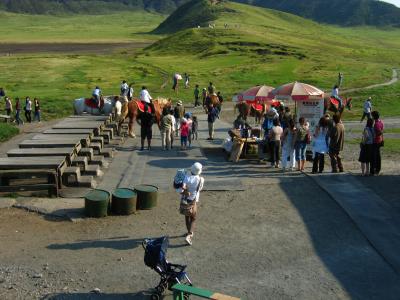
pixel 395 2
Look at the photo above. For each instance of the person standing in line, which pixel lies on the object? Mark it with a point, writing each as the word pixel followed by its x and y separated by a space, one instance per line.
pixel 190 197
pixel 184 134
pixel 28 110
pixel 320 146
pixel 188 117
pixel 366 145
pixel 212 116
pixel 36 103
pixel 367 109
pixel 146 131
pixel 18 112
pixel 166 128
pixel 9 107
pixel 171 112
pixel 336 143
pixel 179 112
pixel 288 152
pixel 300 145
pixel 195 127
pixel 275 135
pixel 378 143
pixel 196 96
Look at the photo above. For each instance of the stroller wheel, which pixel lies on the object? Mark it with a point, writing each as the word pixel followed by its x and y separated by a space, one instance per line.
pixel 155 297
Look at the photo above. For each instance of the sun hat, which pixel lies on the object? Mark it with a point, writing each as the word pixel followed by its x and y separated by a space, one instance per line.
pixel 196 168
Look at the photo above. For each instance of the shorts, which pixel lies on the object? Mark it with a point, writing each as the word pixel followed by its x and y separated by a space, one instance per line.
pixel 146 132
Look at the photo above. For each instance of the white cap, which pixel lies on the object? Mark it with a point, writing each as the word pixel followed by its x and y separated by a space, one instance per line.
pixel 196 168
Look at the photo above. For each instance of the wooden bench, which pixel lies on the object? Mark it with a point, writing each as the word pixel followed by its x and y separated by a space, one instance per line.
pixel 180 290
pixel 6 118
pixel 51 176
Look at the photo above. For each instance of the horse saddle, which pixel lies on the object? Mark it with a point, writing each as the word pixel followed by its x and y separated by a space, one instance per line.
pixel 334 102
pixel 92 103
pixel 141 106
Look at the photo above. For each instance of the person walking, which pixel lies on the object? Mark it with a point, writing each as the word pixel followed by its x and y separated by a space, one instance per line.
pixel 275 135
pixel 166 128
pixel 188 117
pixel 190 197
pixel 28 110
pixel 36 104
pixel 196 96
pixel 195 127
pixel 184 133
pixel 2 92
pixel 367 109
pixel 378 143
pixel 187 79
pixel 204 96
pixel 18 112
pixel 9 107
pixel 220 100
pixel 336 143
pixel 211 89
pixel 320 146
pixel 366 145
pixel 179 112
pixel 146 131
pixel 288 152
pixel 300 145
pixel 212 116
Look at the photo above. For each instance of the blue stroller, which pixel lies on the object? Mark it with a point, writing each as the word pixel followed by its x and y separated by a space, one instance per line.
pixel 155 252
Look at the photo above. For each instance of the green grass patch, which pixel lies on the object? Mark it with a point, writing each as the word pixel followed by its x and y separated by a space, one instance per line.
pixel 7 131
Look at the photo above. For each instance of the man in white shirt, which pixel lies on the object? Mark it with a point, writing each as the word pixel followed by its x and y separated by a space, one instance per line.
pixel 367 109
pixel 124 89
pixel 192 185
pixel 146 98
pixel 335 94
pixel 97 95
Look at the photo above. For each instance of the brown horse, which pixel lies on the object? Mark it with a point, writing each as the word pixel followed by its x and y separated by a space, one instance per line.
pixel 331 104
pixel 214 100
pixel 246 110
pixel 133 112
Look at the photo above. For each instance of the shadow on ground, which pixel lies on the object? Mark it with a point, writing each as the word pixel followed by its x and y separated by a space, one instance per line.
pixel 93 296
pixel 112 243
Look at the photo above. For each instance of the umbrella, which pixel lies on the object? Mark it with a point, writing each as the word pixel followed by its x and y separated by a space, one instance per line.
pixel 296 91
pixel 257 94
pixel 178 76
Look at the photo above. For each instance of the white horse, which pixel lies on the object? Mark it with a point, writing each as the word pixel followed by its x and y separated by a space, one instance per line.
pixel 81 106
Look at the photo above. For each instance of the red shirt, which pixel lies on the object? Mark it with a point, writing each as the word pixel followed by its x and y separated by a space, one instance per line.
pixel 184 130
pixel 378 127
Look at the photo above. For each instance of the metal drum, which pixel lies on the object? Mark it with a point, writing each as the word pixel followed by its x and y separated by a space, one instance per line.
pixel 123 202
pixel 146 196
pixel 97 203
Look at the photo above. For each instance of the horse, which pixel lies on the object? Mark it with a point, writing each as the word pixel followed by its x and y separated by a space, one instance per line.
pixel 253 110
pixel 90 106
pixel 214 100
pixel 332 104
pixel 135 108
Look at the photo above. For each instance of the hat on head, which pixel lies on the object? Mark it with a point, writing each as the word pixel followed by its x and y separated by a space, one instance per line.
pixel 179 103
pixel 196 168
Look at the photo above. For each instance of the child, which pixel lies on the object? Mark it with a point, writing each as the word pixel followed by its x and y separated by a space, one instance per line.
pixel 184 134
pixel 188 117
pixel 195 126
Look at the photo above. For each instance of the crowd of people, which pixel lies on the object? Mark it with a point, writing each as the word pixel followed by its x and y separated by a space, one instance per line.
pixel 27 107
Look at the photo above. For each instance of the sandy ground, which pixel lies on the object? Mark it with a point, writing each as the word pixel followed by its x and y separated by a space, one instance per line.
pixel 281 238
pixel 98 48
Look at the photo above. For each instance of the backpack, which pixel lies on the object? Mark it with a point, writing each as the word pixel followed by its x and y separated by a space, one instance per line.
pixel 179 178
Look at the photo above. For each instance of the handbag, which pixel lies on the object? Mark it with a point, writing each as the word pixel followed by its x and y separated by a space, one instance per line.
pixel 187 206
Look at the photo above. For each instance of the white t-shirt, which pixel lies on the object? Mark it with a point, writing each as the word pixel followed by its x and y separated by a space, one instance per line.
pixel 192 184
pixel 124 89
pixel 145 96
pixel 28 105
pixel 97 92
pixel 118 108
pixel 335 93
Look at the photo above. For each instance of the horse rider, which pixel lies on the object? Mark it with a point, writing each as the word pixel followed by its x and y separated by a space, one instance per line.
pixel 124 89
pixel 97 95
pixel 146 99
pixel 335 94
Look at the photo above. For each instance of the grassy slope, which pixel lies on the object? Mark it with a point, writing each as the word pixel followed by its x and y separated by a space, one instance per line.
pixel 365 55
pixel 7 131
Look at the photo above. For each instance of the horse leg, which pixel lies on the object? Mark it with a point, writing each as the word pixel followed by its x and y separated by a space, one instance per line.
pixel 131 128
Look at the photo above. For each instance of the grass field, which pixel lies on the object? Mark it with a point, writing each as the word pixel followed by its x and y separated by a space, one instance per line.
pixel 259 47
pixel 7 131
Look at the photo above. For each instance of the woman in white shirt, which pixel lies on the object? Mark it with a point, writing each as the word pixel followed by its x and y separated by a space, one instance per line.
pixel 192 185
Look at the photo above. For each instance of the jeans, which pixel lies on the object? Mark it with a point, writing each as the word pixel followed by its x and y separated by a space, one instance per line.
pixel 28 116
pixel 318 162
pixel 300 149
pixel 18 118
pixel 37 115
pixel 166 138
pixel 184 140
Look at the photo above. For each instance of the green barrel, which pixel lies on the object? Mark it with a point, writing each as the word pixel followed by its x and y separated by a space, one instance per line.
pixel 123 202
pixel 97 203
pixel 146 196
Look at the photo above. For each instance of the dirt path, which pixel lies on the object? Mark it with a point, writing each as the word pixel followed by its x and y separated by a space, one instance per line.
pixel 394 79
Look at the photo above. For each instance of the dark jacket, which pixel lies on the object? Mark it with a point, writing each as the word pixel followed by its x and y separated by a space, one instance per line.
pixel 212 115
pixel 336 136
